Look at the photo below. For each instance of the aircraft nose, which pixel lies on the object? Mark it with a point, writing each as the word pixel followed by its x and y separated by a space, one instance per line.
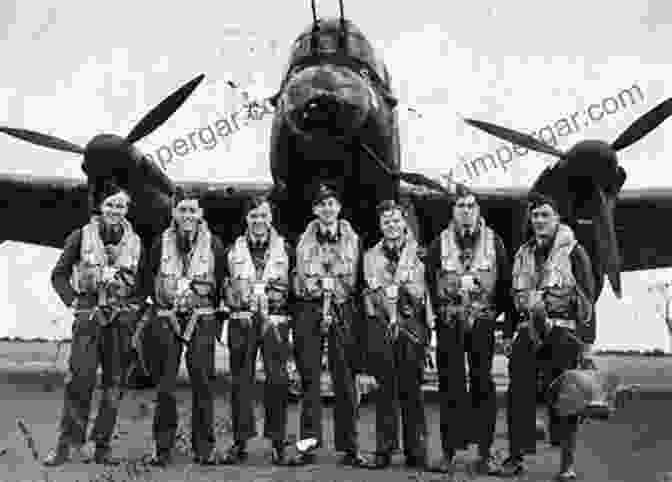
pixel 327 114
pixel 326 100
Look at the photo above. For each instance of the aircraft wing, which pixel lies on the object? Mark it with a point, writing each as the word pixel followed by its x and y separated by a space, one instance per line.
pixel 41 210
pixel 640 217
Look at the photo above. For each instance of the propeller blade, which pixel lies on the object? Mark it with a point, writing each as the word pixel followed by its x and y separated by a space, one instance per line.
pixel 608 244
pixel 422 180
pixel 515 137
pixel 379 161
pixel 642 126
pixel 160 114
pixel 43 140
pixel 408 177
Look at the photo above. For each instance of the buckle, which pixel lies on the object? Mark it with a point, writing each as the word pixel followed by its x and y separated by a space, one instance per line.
pixel 201 288
pixel 392 292
pixel 467 282
pixel 562 323
pixel 259 288
pixel 328 283
pixel 241 315
pixel 183 285
pixel 277 319
pixel 109 273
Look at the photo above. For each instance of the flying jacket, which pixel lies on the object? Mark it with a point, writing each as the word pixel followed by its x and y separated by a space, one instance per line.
pixel 242 273
pixel 340 261
pixel 490 269
pixel 565 278
pixel 165 267
pixel 408 276
pixel 79 269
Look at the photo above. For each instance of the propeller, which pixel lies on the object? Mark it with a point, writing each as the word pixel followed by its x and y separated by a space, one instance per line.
pixel 150 122
pixel 608 176
pixel 515 137
pixel 111 158
pixel 408 177
pixel 43 140
pixel 637 130
pixel 160 114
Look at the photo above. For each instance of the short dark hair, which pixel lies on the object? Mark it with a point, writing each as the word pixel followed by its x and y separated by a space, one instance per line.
pixel 463 191
pixel 389 205
pixel 253 202
pixel 182 193
pixel 537 199
pixel 106 189
pixel 325 191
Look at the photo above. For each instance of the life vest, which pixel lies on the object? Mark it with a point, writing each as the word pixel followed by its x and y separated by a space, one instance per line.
pixel 243 273
pixel 172 269
pixel 87 274
pixel 410 271
pixel 315 261
pixel 556 274
pixel 451 285
pixel 408 275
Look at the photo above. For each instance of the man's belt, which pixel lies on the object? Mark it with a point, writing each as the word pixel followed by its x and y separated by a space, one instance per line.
pixel 241 315
pixel 248 315
pixel 553 322
pixel 99 312
pixel 172 314
pixel 562 323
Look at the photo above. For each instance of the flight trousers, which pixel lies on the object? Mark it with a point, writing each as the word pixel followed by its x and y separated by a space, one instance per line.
pixel 94 345
pixel 559 352
pixel 344 360
pixel 200 366
pixel 398 367
pixel 467 415
pixel 245 339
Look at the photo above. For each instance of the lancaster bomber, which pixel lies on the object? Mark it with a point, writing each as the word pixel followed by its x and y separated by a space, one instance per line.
pixel 336 122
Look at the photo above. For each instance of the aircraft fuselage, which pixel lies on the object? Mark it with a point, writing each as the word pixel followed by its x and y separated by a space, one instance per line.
pixel 335 96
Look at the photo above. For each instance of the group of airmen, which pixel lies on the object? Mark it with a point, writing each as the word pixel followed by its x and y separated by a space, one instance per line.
pixel 370 306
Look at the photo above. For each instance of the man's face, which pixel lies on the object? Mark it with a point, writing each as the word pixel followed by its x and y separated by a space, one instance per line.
pixel 544 221
pixel 187 215
pixel 392 224
pixel 259 220
pixel 327 210
pixel 466 211
pixel 114 208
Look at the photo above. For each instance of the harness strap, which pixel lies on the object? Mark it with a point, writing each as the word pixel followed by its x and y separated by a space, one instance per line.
pixel 171 315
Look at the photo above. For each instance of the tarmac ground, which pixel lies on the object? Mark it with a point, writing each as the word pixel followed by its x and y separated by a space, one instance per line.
pixel 634 446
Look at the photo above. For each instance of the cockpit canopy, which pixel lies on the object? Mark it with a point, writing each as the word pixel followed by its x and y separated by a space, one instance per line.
pixel 360 52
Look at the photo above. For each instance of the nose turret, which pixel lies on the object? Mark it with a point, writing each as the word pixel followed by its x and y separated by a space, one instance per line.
pixel 326 100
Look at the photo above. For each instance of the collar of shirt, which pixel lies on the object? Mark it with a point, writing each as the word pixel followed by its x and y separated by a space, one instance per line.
pixel 185 242
pixel 392 249
pixel 257 243
pixel 110 234
pixel 466 238
pixel 542 248
pixel 328 234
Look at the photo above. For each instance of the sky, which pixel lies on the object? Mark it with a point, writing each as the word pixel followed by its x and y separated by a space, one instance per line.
pixel 76 69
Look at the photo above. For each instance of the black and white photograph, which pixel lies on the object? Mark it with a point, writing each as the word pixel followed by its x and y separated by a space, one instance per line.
pixel 335 240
